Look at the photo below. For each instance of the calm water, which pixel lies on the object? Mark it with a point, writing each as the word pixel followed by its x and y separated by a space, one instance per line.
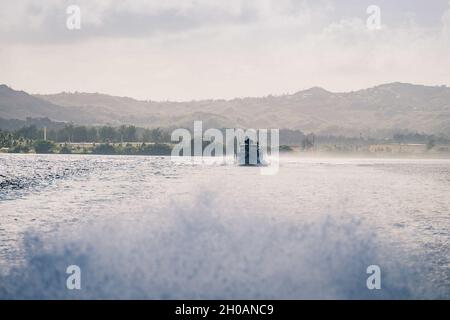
pixel 147 227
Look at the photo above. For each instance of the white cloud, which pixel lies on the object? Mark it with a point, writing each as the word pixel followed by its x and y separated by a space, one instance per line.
pixel 202 49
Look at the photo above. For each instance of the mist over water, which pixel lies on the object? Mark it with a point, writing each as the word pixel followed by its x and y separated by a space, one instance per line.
pixel 145 227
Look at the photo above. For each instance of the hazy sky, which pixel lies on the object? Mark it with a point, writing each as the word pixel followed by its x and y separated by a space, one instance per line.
pixel 193 49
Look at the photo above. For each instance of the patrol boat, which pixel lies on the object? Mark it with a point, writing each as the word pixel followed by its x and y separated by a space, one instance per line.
pixel 250 154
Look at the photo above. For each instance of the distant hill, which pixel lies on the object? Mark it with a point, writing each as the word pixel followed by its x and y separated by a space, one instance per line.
pixel 14 124
pixel 377 111
pixel 21 105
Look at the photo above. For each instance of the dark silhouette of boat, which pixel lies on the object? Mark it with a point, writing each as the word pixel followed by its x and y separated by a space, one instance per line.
pixel 250 154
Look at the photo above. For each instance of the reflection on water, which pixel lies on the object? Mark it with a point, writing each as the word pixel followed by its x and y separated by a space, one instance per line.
pixel 146 227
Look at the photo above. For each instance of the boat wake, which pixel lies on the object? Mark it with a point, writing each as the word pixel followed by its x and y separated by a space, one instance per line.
pixel 202 250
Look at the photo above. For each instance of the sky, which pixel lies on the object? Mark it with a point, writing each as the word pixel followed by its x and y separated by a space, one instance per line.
pixel 201 49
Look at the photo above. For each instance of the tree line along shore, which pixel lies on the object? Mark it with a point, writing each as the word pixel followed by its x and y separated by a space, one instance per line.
pixel 131 140
pixel 86 140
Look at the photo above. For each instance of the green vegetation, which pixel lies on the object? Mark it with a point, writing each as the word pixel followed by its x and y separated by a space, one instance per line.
pixel 79 134
pixel 42 146
pixel 431 144
pixel 88 140
pixel 20 149
pixel 131 140
pixel 129 149
pixel 159 149
pixel 286 149
pixel 104 149
pixel 65 149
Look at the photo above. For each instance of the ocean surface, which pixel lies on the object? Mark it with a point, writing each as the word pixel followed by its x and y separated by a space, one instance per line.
pixel 148 227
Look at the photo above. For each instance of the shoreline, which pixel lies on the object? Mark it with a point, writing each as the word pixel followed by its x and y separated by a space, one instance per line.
pixel 293 155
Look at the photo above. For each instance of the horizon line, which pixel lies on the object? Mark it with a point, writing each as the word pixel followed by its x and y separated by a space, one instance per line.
pixel 275 95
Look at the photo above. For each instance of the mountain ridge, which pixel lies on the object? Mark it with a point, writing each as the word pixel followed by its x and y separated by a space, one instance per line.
pixel 378 110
